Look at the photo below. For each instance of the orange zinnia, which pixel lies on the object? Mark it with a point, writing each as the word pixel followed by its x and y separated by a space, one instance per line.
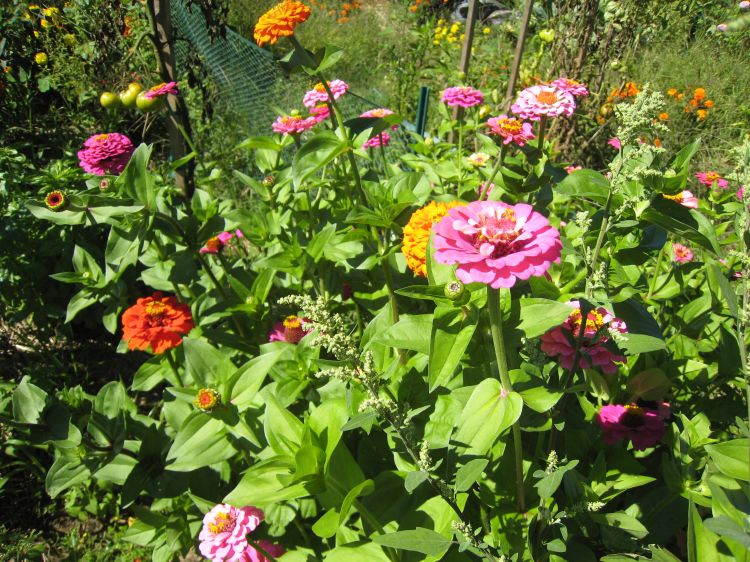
pixel 417 234
pixel 156 322
pixel 280 21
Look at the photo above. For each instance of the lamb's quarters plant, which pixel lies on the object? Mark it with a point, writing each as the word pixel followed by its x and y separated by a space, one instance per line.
pixel 413 355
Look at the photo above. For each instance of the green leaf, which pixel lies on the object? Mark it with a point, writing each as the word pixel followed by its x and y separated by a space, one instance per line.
pixel 731 458
pixel 651 384
pixel 65 472
pixel 434 293
pixel 689 224
pixel 623 521
pixel 469 473
pixel 267 143
pixel 201 441
pixel 549 483
pixel 327 525
pixel 412 331
pixel 254 184
pixel 585 183
pixel 452 330
pixel 246 382
pixel 282 428
pixel 80 301
pixel 65 216
pixel 633 344
pixel 540 315
pixel 534 391
pixel 320 241
pixel 726 527
pixel 421 540
pixel 266 482
pixel 136 180
pixel 205 364
pixel 486 415
pixel 28 402
pixel 314 154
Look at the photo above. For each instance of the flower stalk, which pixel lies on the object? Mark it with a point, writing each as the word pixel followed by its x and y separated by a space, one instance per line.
pixel 496 328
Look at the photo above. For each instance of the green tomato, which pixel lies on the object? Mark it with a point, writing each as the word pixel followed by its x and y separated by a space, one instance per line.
pixel 109 100
pixel 547 35
pixel 146 105
pixel 127 98
pixel 135 87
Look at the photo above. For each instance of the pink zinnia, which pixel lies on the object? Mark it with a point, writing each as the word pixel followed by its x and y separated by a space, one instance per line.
pixel 253 555
pixel 495 243
pixel 215 244
pixel 162 89
pixel 560 341
pixel 540 101
pixel 291 330
pixel 571 169
pixel 319 95
pixel 320 112
pixel 511 129
pixel 571 86
pixel 711 178
pixel 381 138
pixel 225 528
pixel 741 193
pixel 641 424
pixel 615 143
pixel 682 254
pixel 293 124
pixel 104 154
pixel 461 96
pixel 484 190
pixel 684 198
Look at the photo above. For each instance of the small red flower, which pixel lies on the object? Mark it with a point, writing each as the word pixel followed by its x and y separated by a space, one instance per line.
pixel 156 322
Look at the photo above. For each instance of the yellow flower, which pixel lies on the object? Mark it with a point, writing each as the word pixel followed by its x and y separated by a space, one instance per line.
pixel 41 58
pixel 454 28
pixel 417 234
pixel 486 30
pixel 33 7
pixel 45 24
pixel 51 12
pixel 701 114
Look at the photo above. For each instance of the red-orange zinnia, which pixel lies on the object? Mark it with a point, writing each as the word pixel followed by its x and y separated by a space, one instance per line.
pixel 280 21
pixel 156 322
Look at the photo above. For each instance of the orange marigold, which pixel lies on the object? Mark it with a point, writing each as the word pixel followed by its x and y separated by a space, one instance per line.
pixel 699 93
pixel 280 21
pixel 708 103
pixel 701 114
pixel 664 116
pixel 417 234
pixel 156 322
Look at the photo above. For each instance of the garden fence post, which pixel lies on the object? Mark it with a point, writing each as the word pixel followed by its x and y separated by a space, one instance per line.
pixel 463 67
pixel 422 104
pixel 178 124
pixel 519 54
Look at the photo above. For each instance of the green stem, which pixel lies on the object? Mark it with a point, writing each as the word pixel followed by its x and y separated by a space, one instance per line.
pixel 176 371
pixel 598 247
pixel 659 259
pixel 385 161
pixel 459 150
pixel 540 135
pixel 388 275
pixel 496 328
pixel 496 168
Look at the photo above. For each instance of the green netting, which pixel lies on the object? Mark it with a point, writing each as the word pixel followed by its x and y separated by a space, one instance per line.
pixel 251 83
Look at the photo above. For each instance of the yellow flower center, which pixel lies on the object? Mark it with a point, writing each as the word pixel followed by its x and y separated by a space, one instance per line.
pixel 155 308
pixel 222 523
pixel 712 176
pixel 292 322
pixel 677 198
pixel 509 125
pixel 101 137
pixel 546 97
pixel 319 87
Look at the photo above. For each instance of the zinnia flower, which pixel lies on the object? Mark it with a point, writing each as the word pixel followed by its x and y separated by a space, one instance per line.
pixel 253 555
pixel 280 21
pixel 224 533
pixel 511 129
pixel 156 322
pixel 320 112
pixel 561 341
pixel 55 200
pixel 682 254
pixel 294 124
pixel 495 243
pixel 291 330
pixel 684 198
pixel 744 5
pixel 417 234
pixel 571 169
pixel 478 159
pixel 162 89
pixel 381 138
pixel 206 399
pixel 711 178
pixel 104 154
pixel 319 95
pixel 722 27
pixel 379 113
pixel 615 143
pixel 462 96
pixel 642 424
pixel 540 101
pixel 215 244
pixel 571 86
pixel 484 191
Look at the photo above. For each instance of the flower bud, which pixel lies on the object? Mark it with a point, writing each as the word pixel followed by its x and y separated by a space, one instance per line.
pixel 454 290
pixel 269 180
pixel 206 399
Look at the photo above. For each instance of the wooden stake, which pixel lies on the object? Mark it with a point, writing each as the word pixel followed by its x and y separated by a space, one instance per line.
pixel 519 54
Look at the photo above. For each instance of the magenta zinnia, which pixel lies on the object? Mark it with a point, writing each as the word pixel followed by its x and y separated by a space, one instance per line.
pixel 495 243
pixel 712 179
pixel 510 129
pixel 319 95
pixel 163 89
pixel 592 351
pixel 540 101
pixel 291 330
pixel 225 529
pixel 571 86
pixel 293 124
pixel 682 254
pixel 104 154
pixel 641 423
pixel 462 96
